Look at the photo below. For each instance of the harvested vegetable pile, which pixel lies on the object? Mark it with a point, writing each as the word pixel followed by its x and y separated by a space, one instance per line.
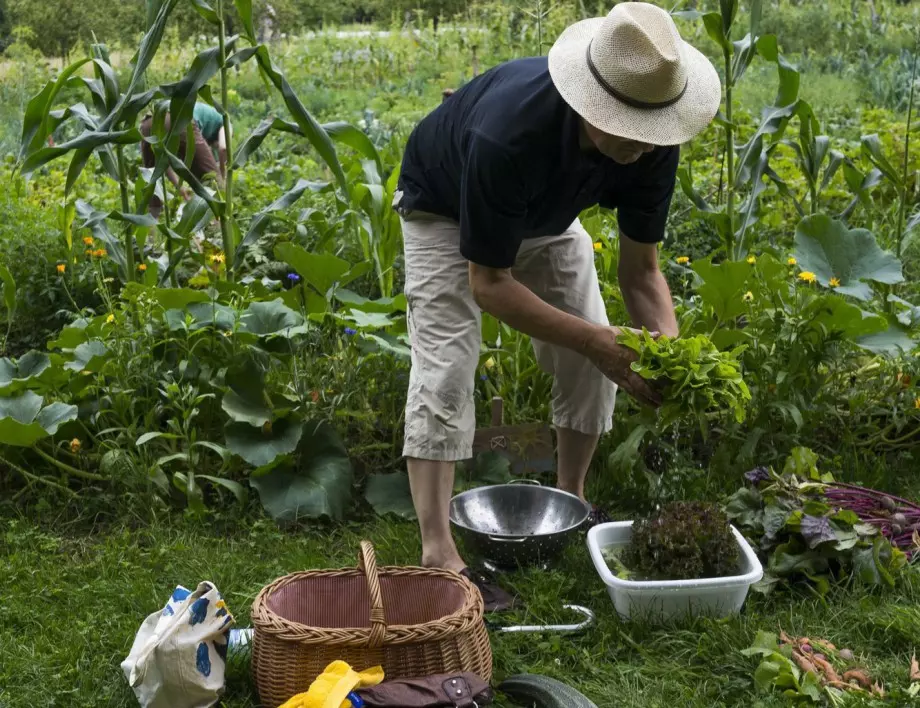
pixel 809 527
pixel 695 378
pixel 805 669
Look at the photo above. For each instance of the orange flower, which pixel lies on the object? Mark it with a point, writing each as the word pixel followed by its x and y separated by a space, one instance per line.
pixel 88 240
pixel 61 268
pixel 100 253
pixel 142 267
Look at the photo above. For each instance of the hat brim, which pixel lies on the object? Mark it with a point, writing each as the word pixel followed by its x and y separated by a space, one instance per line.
pixel 669 125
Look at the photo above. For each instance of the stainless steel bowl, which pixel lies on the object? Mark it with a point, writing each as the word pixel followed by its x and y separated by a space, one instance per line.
pixel 517 524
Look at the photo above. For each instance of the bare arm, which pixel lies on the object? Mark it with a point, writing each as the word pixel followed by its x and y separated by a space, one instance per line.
pixel 498 293
pixel 645 290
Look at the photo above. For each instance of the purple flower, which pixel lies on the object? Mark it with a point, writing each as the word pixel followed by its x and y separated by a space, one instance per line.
pixel 293 277
pixel 757 475
pixel 484 377
pixel 349 331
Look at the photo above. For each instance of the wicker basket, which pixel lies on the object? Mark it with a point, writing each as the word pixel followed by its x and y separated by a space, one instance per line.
pixel 413 622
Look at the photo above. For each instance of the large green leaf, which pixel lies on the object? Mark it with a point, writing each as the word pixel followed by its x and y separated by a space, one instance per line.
pixel 147 49
pixel 35 121
pixel 307 123
pixel 245 401
pixel 321 270
pixel 723 287
pixel 244 10
pixel 88 139
pixel 390 494
pixel 206 11
pixel 789 78
pixel 386 305
pixel 774 120
pixel 14 375
pixel 893 341
pixel 217 205
pixel 348 134
pixel 319 486
pixel 833 313
pixel 89 356
pixel 23 422
pixel 184 93
pixel 261 446
pixel 872 148
pixel 829 249
pixel 272 318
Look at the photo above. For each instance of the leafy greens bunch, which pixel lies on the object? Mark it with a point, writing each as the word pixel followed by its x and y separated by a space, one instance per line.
pixel 806 534
pixel 695 378
pixel 682 541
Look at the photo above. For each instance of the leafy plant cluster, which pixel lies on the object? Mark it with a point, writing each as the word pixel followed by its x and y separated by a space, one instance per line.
pixel 682 541
pixel 695 377
pixel 806 537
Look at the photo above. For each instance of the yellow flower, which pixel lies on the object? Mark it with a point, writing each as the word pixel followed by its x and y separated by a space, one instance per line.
pixel 61 268
pixel 88 240
pixel 598 246
pixel 806 276
pixel 89 252
pixel 100 253
pixel 748 296
pixel 683 260
pixel 752 260
pixel 490 362
pixel 75 445
pixel 217 258
pixel 142 267
pixel 110 319
pixel 917 403
pixel 791 261
pixel 834 282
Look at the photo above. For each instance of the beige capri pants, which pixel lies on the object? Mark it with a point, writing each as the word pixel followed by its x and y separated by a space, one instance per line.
pixel 445 332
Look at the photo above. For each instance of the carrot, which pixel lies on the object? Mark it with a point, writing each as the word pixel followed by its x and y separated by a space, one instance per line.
pixel 859 675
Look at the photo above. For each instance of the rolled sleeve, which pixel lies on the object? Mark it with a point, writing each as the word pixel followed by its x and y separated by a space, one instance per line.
pixel 642 209
pixel 493 205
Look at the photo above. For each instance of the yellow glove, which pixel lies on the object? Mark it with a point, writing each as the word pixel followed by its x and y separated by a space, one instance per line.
pixel 331 688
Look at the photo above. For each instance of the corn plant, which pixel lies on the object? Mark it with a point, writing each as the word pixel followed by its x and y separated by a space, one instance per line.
pixel 112 125
pixel 745 165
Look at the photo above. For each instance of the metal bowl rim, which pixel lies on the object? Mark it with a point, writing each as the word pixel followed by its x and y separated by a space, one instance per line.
pixel 553 490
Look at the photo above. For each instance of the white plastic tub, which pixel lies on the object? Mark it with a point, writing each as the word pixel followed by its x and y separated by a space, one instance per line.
pixel 662 600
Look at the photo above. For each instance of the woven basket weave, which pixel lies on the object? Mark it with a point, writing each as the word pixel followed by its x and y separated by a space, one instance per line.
pixel 413 622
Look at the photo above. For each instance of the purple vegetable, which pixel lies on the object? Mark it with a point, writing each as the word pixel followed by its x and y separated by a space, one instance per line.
pixel 757 475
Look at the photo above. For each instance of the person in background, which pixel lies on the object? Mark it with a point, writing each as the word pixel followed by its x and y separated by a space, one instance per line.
pixel 210 151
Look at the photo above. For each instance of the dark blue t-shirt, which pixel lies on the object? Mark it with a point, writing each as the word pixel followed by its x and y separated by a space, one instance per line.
pixel 502 157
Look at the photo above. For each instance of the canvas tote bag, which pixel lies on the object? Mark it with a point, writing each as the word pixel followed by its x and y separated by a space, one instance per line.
pixel 179 655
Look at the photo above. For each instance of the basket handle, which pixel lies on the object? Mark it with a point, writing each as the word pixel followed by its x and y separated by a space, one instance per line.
pixel 367 563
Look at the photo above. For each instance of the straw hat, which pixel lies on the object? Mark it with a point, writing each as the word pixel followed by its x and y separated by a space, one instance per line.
pixel 630 74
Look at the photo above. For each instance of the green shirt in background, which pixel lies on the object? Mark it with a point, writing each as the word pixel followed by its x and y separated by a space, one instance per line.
pixel 209 121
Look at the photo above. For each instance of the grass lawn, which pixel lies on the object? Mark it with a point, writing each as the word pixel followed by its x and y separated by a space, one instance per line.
pixel 72 598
